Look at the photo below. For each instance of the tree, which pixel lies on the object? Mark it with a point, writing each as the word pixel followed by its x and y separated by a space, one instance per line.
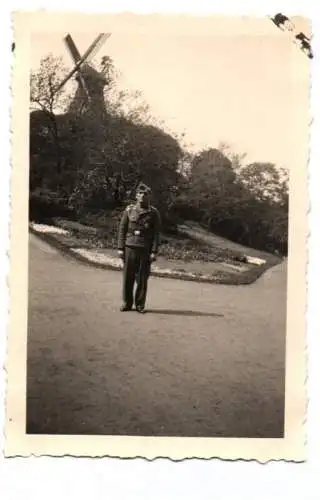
pixel 44 82
pixel 263 206
pixel 44 92
pixel 237 159
pixel 245 203
pixel 128 153
pixel 210 183
pixel 46 102
pixel 265 181
pixel 101 157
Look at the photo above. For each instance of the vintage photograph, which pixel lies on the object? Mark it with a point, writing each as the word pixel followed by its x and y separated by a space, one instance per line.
pixel 164 166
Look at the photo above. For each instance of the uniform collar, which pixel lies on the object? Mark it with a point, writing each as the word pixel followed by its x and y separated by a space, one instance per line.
pixel 143 209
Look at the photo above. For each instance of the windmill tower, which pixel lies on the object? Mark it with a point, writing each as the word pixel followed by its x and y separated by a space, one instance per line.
pixel 89 96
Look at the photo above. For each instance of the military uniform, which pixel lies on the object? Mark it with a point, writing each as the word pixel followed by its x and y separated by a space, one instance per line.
pixel 138 238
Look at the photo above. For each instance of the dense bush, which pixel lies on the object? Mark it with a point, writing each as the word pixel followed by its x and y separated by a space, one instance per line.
pixel 44 205
pixel 91 177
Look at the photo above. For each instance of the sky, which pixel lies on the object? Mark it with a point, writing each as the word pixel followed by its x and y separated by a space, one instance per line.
pixel 240 81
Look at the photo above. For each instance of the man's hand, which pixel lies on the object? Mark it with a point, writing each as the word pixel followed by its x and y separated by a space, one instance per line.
pixel 121 254
pixel 153 257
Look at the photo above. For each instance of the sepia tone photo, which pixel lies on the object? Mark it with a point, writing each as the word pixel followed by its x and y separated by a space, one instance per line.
pixel 158 236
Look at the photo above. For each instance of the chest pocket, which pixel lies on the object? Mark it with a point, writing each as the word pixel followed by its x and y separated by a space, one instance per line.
pixel 146 221
pixel 142 222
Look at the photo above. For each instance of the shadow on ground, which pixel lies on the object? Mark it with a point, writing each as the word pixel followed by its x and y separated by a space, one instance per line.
pixel 173 312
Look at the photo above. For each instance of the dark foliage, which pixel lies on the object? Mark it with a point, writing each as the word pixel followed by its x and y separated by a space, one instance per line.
pixel 83 164
pixel 247 205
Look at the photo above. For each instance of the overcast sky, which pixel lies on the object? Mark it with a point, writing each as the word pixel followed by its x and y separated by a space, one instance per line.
pixel 239 81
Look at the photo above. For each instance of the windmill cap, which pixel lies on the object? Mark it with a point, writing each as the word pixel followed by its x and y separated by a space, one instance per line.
pixel 143 188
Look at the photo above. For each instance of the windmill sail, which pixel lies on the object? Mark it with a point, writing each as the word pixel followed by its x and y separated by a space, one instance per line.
pixel 77 58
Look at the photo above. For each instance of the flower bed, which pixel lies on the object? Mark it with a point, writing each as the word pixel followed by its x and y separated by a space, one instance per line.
pixel 172 248
pixel 89 247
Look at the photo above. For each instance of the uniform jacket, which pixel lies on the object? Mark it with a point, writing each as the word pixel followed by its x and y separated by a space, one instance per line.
pixel 139 228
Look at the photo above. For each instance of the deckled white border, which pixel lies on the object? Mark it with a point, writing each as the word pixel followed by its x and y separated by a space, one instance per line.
pixel 197 479
pixel 18 443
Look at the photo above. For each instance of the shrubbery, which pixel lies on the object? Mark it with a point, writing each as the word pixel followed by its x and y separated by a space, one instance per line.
pixel 86 168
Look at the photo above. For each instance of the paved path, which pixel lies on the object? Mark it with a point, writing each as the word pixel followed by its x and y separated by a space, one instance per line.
pixel 207 360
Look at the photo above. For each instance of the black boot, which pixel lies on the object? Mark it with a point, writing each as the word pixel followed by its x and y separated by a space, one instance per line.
pixel 125 307
pixel 140 309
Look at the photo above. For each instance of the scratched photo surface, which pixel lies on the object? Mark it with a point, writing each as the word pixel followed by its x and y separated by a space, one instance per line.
pixel 212 121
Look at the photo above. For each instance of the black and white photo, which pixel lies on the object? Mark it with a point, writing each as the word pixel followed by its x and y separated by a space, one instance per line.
pixel 159 231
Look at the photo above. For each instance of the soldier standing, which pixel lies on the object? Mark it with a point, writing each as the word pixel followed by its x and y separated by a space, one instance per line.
pixel 138 242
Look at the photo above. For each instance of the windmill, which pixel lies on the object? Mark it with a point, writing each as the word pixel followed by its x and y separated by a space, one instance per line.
pixel 89 95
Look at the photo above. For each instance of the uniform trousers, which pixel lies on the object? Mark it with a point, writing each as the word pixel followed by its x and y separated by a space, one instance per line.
pixel 136 270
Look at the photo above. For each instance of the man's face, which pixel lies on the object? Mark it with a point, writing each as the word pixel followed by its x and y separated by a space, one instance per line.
pixel 143 198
